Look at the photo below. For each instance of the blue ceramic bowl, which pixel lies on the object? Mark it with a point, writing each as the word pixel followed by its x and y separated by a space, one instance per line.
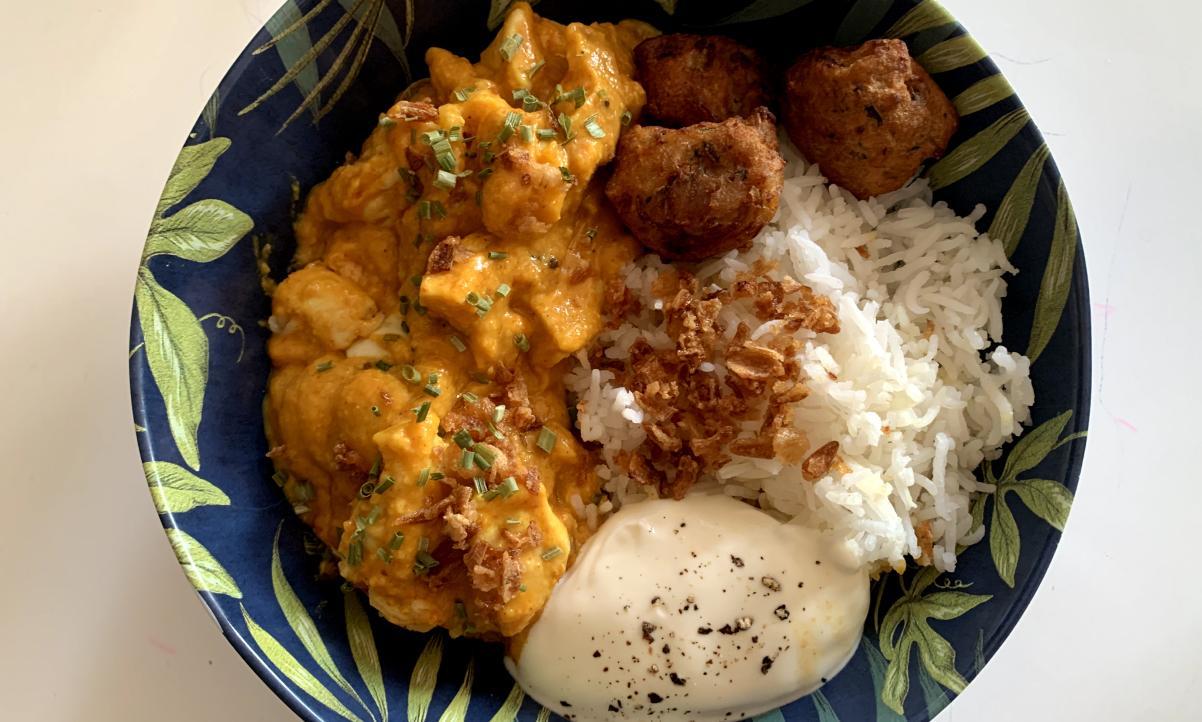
pixel 282 120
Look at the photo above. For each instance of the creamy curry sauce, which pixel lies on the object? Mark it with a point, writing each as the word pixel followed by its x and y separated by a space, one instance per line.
pixel 371 352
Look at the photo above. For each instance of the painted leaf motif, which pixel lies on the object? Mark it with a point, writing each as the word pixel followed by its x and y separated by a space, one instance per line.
pixel 1033 446
pixel 178 354
pixel 897 679
pixel 363 649
pixel 923 16
pixel 1010 221
pixel 201 232
pixel 294 45
pixel 1004 542
pixel 456 711
pixel 210 112
pixel 543 715
pixel 293 670
pixel 973 153
pixel 497 11
pixel 951 54
pixel 773 716
pixel 300 621
pixel 822 706
pixel 1057 276
pixel 860 20
pixel 982 94
pixel 937 656
pixel 978 652
pixel 949 605
pixel 763 10
pixel 876 667
pixel 1049 500
pixel 176 490
pixel 424 679
pixel 932 694
pixel 512 705
pixel 193 164
pixel 923 41
pixel 205 572
pixel 384 27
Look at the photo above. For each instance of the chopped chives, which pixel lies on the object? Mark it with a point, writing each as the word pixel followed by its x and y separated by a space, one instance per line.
pixel 593 127
pixel 423 563
pixel 472 298
pixel 626 117
pixel 416 280
pixel 480 378
pixel 481 485
pixel 521 342
pixel 423 476
pixel 410 374
pixel 545 133
pixel 432 378
pixel 483 456
pixel 546 439
pixel 508 487
pixel 567 174
pixel 503 290
pixel 423 544
pixel 463 439
pixel 396 541
pixel 431 137
pixel 383 365
pixel 279 478
pixel 464 93
pixel 519 93
pixel 511 123
pixel 455 134
pixel 432 390
pixel 385 484
pixel 510 46
pixel 498 413
pixel 468 459
pixel 373 515
pixel 384 554
pixel 439 211
pixel 495 431
pixel 566 123
pixel 535 68
pixel 445 180
pixel 457 343
pixel 484 173
pixel 423 210
pixel 405 327
pixel 375 468
pixel 354 552
pixel 590 233
pixel 375 410
pixel 552 553
pixel 512 521
pixel 497 255
pixel 422 411
pixel 324 366
pixel 527 132
pixel 469 397
pixel 368 488
pixel 521 587
pixel 437 475
pixel 385 121
pixel 531 103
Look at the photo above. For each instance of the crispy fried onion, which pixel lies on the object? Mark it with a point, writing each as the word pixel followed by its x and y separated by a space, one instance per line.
pixel 695 418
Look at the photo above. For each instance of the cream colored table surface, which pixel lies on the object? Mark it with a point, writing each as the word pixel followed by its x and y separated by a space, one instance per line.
pixel 98 623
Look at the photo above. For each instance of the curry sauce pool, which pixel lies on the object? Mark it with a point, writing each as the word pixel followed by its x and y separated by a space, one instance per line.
pixel 415 408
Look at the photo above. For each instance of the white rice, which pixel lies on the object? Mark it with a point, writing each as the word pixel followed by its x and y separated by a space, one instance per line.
pixel 914 414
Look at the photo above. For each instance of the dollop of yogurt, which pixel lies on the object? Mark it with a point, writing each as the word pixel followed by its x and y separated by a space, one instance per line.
pixel 700 609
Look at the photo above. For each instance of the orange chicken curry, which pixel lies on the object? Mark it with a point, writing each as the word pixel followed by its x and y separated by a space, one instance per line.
pixel 416 409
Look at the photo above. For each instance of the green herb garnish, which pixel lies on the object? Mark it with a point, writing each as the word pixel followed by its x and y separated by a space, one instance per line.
pixel 593 127
pixel 546 439
pixel 422 411
pixel 445 180
pixel 385 484
pixel 552 553
pixel 383 365
pixel 457 343
pixel 512 119
pixel 521 342
pixel 463 439
pixel 324 366
pixel 464 93
pixel 510 46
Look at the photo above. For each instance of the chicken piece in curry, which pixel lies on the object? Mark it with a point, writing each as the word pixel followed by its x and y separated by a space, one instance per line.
pixel 415 410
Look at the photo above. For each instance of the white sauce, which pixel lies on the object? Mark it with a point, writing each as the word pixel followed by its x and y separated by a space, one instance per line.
pixel 699 609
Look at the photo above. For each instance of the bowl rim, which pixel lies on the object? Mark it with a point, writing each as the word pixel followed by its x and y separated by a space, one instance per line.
pixel 1079 319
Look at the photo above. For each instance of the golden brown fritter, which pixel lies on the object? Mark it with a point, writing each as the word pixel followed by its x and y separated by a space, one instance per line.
pixel 700 78
pixel 868 115
pixel 699 191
